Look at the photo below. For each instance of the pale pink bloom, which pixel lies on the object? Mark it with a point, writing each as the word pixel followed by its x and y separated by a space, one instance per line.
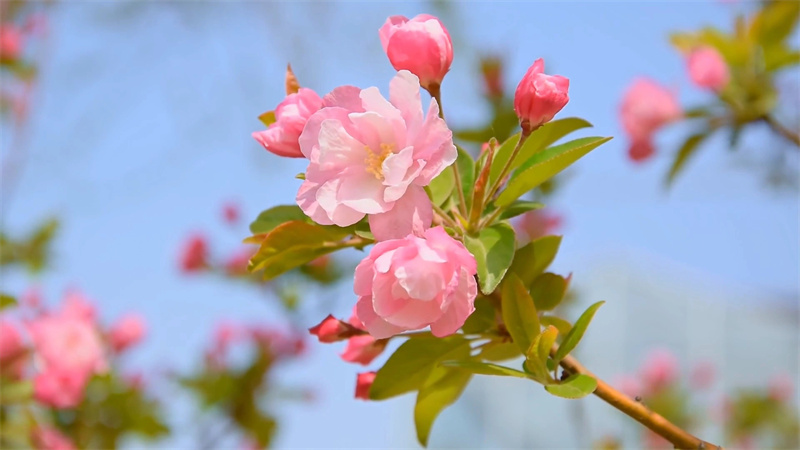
pixel 708 69
pixel 224 335
pixel 702 376
pixel 46 438
pixel 36 24
pixel 194 254
pixel 236 264
pixel 135 380
pixel 68 343
pixel 373 156
pixel 10 41
pixel 128 331
pixel 535 224
pixel 78 306
pixel 363 384
pixel 31 298
pixel 363 349
pixel 277 343
pixel 230 212
pixel 781 387
pixel 10 342
pixel 646 107
pixel 539 97
pixel 415 282
pixel 629 385
pixel 60 387
pixel 331 329
pixel 291 115
pixel 659 370
pixel 420 45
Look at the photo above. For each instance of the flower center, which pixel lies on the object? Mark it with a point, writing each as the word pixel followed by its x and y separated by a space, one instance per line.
pixel 374 160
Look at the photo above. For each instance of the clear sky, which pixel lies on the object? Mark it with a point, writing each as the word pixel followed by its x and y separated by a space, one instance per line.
pixel 141 130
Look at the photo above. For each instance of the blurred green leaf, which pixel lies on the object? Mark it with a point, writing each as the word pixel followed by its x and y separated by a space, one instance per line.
pixel 482 319
pixel 14 392
pixel 409 366
pixel 531 260
pixel 7 301
pixel 562 325
pixel 574 387
pixel 277 215
pixel 442 186
pixel 686 151
pixel 544 165
pixel 441 389
pixel 576 333
pixel 499 351
pixel 775 21
pixel 519 312
pixel 493 250
pixel 548 290
pixel 481 368
pixel 520 207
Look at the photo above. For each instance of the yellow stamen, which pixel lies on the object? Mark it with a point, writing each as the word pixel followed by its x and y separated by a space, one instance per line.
pixel 374 161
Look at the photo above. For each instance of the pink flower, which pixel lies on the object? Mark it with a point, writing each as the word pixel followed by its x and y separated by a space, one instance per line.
pixel 708 69
pixel 702 375
pixel 46 438
pixel 539 97
pixel 60 388
pixel 281 138
pixel 331 329
pixel 68 343
pixel 781 387
pixel 78 306
pixel 421 46
pixel 363 349
pixel 629 385
pixel 536 224
pixel 10 41
pixel 645 108
pixel 128 331
pixel 411 283
pixel 230 212
pixel 659 370
pixel 372 156
pixel 194 254
pixel 31 298
pixel 10 342
pixel 363 383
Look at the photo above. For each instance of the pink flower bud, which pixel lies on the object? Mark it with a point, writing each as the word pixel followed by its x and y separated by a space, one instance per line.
pixel 128 331
pixel 60 388
pixel 194 254
pixel 708 69
pixel 46 438
pixel 331 329
pixel 10 41
pixel 10 342
pixel 68 343
pixel 539 97
pixel 230 212
pixel 291 115
pixel 363 349
pixel 363 384
pixel 646 107
pixel 535 224
pixel 420 45
pixel 629 385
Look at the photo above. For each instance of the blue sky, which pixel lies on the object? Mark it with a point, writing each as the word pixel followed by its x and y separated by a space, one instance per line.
pixel 141 130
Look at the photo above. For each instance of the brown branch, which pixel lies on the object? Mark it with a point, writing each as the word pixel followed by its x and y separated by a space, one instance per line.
pixel 782 130
pixel 636 410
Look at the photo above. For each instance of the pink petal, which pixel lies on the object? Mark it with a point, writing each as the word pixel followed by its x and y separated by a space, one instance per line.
pixel 377 327
pixel 412 213
pixel 460 305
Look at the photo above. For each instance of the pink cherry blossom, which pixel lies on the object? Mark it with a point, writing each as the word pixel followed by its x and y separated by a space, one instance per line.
pixel 629 385
pixel 10 41
pixel 46 438
pixel 363 349
pixel 645 108
pixel 194 254
pixel 539 97
pixel 373 156
pixel 60 387
pixel 702 376
pixel 78 306
pixel 128 331
pixel 708 69
pixel 68 343
pixel 291 115
pixel 415 282
pixel 659 370
pixel 781 387
pixel 10 342
pixel 420 45
pixel 535 224
pixel 363 384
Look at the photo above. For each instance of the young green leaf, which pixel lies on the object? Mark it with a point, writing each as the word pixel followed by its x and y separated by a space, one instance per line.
pixel 546 341
pixel 548 291
pixel 271 218
pixel 519 313
pixel 520 207
pixel 499 351
pixel 562 325
pixel 441 389
pixel 576 334
pixel 441 187
pixel 544 165
pixel 686 151
pixel 531 260
pixel 466 169
pixel 535 366
pixel 481 368
pixel 574 387
pixel 409 366
pixel 493 250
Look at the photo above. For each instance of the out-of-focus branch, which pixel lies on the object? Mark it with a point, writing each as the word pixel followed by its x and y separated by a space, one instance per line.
pixel 782 130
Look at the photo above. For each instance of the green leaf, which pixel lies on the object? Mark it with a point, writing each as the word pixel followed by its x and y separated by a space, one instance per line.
pixel 574 387
pixel 684 154
pixel 519 313
pixel 546 340
pixel 576 333
pixel 531 260
pixel 466 169
pixel 293 244
pixel 775 21
pixel 7 301
pixel 482 319
pixel 548 291
pixel 441 390
pixel 540 139
pixel 268 118
pixel 499 351
pixel 409 366
pixel 520 207
pixel 544 165
pixel 13 392
pixel 493 250
pixel 534 366
pixel 271 218
pixel 562 325
pixel 441 187
pixel 481 368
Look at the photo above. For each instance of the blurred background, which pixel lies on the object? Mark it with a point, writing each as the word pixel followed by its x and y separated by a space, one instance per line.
pixel 139 131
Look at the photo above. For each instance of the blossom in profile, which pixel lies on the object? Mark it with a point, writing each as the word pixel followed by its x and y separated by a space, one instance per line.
pixel 420 45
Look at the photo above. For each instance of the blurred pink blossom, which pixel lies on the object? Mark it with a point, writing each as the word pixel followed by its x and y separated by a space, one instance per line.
pixel 231 212
pixel 781 387
pixel 535 224
pixel 363 384
pixel 11 345
pixel 67 342
pixel 60 387
pixel 126 332
pixel 646 107
pixel 659 370
pixel 708 69
pixel 10 41
pixel 194 253
pixel 702 376
pixel 46 438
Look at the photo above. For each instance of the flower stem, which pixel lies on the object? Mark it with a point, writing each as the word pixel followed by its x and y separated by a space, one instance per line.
pixel 445 218
pixel 507 167
pixel 782 130
pixel 436 93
